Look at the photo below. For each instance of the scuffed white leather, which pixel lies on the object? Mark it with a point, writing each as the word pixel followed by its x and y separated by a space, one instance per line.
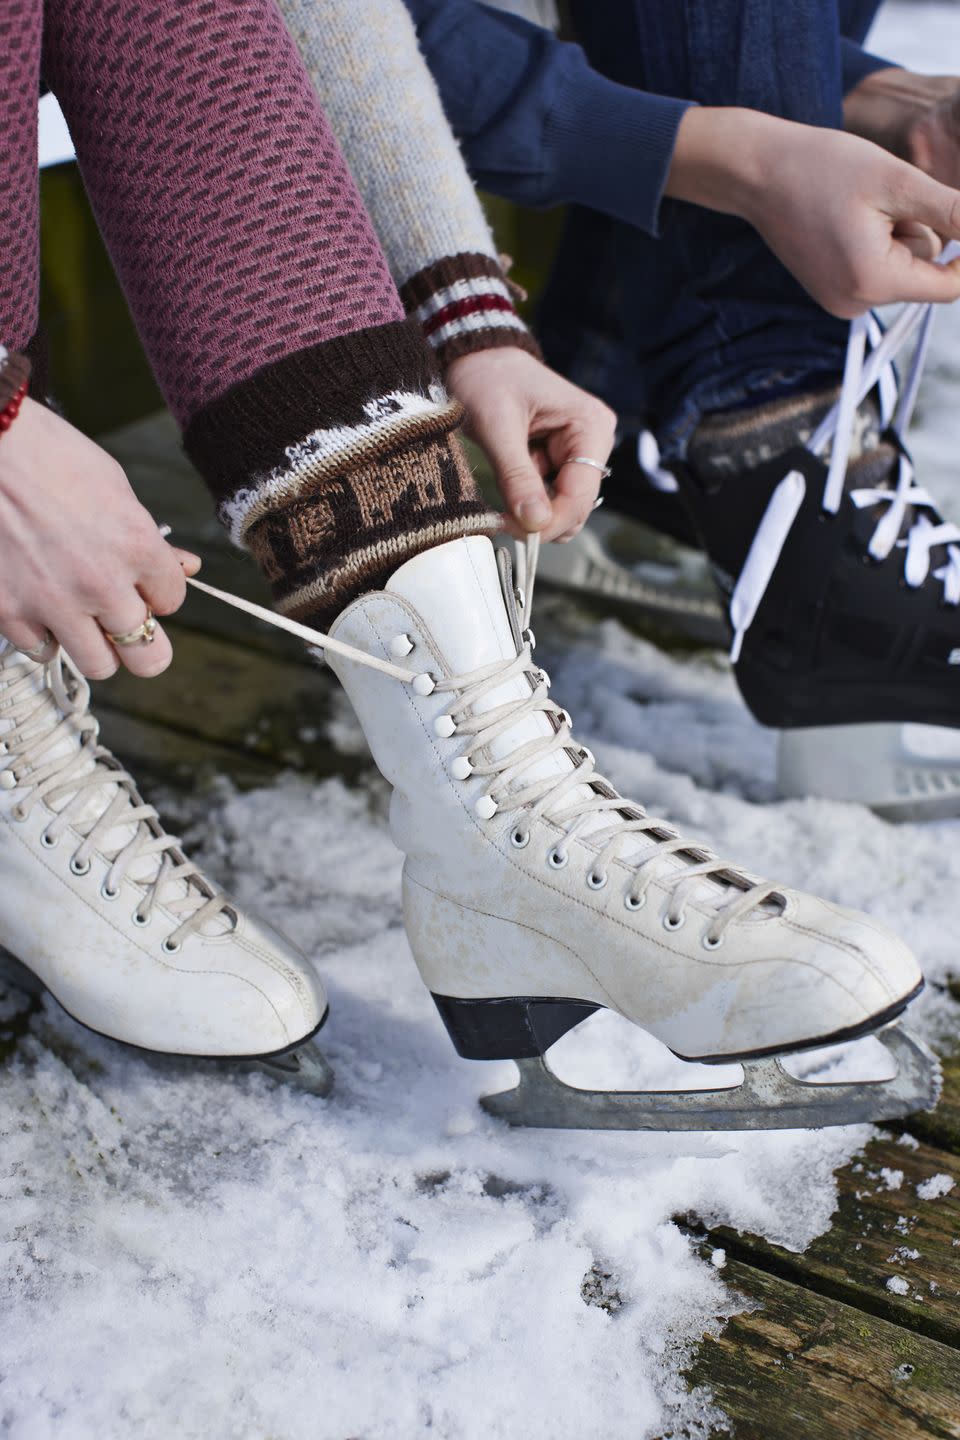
pixel 487 920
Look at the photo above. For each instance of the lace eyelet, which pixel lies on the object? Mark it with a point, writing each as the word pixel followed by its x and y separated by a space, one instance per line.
pixel 106 893
pixel 79 867
pixel 444 726
pixel 424 684
pixel 634 902
pixel 170 947
pixel 674 922
pixel 557 858
pixel 519 839
pixel 19 814
pixel 595 881
pixel 49 842
pixel 461 769
pixel 141 921
pixel 400 646
pixel 711 942
pixel 8 780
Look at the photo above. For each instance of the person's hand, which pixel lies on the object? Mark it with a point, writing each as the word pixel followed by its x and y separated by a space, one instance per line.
pixel 79 554
pixel 530 421
pixel 855 225
pixel 916 117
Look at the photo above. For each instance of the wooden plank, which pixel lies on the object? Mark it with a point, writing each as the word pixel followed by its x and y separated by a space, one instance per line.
pixel 244 701
pixel 157 755
pixel 803 1366
pixel 893 1249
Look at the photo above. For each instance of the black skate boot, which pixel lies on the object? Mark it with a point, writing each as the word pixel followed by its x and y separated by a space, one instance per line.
pixel 842 585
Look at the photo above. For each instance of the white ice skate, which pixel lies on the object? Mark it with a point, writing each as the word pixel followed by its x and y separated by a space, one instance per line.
pixel 103 909
pixel 534 894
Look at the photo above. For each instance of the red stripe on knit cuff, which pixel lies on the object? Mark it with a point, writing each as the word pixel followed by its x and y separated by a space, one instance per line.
pixel 459 309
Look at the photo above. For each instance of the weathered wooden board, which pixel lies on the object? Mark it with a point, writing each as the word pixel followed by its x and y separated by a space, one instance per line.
pixel 243 700
pixel 942 1126
pixel 804 1366
pixel 157 755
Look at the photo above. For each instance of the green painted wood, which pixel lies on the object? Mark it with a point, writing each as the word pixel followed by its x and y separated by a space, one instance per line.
pixel 803 1366
pixel 157 755
pixel 241 700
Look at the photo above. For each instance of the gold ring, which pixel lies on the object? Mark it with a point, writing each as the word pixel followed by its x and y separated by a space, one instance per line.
pixel 605 470
pixel 144 634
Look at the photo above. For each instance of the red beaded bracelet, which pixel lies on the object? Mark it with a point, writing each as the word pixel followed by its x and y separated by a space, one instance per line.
pixel 11 410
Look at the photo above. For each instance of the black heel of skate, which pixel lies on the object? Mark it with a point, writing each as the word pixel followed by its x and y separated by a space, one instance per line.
pixel 517 1028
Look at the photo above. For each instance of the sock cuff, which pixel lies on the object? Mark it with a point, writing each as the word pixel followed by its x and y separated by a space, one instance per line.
pixel 271 439
pixel 465 303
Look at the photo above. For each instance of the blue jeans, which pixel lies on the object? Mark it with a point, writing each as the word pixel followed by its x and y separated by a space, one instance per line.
pixel 702 317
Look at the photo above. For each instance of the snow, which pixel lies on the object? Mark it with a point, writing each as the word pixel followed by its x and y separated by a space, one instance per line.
pixel 936 1187
pixel 192 1253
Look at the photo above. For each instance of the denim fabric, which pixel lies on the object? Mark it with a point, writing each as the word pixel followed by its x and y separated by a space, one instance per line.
pixel 704 317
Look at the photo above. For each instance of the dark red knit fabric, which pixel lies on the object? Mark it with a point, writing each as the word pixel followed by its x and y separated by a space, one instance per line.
pixel 19 215
pixel 228 209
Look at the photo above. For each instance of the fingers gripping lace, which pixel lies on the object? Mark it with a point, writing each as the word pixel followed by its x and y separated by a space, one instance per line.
pixel 862 372
pixel 49 743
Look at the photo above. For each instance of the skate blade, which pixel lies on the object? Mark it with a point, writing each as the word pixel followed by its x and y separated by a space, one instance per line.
pixel 302 1068
pixel 768 1098
pixel 587 566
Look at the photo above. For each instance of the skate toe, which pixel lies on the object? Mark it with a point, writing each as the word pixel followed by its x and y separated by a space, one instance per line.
pixel 872 967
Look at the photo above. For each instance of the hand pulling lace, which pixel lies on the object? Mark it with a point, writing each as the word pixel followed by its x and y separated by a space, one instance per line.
pixel 863 370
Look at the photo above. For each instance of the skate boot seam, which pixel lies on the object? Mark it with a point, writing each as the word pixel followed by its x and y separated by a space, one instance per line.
pixel 855 953
pixel 610 1003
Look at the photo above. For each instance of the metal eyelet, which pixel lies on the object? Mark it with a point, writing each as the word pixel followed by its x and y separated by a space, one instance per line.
pixel 79 867
pixel 673 922
pixel 141 921
pixel 106 893
pixel 170 947
pixel 711 942
pixel 557 858
pixel 634 902
pixel 47 841
pixel 519 839
pixel 595 881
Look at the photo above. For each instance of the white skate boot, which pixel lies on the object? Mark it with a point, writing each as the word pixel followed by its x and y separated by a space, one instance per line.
pixel 103 909
pixel 534 894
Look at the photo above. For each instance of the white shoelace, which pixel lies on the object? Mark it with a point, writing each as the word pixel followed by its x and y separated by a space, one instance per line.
pixel 571 799
pixel 862 371
pixel 49 749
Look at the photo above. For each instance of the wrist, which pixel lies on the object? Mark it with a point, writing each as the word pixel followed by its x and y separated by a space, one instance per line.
pixel 724 157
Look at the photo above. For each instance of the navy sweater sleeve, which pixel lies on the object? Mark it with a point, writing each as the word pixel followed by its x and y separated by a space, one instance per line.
pixel 536 123
pixel 857 63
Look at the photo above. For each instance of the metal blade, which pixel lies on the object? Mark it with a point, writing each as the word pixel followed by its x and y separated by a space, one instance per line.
pixel 768 1098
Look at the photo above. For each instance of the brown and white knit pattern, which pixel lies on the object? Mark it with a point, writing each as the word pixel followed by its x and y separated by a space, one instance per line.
pixel 381 100
pixel 14 372
pixel 336 465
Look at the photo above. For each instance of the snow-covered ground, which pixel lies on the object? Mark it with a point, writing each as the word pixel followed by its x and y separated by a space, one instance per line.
pixel 195 1255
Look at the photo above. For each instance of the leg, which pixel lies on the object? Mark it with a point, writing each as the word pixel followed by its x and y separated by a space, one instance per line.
pixel 331 455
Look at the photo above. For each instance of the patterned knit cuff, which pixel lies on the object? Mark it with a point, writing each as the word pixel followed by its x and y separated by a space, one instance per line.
pixel 463 303
pixel 336 464
pixel 14 372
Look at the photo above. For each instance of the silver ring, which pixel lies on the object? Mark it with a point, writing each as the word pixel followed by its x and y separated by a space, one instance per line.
pixel 605 470
pixel 144 634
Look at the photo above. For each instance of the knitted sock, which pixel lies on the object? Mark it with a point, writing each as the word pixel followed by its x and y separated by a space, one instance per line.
pixel 736 440
pixel 349 467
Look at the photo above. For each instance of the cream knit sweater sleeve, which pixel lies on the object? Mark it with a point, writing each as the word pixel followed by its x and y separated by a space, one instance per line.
pixel 365 63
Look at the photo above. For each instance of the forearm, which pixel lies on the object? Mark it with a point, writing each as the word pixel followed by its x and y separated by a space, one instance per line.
pixel 375 87
pixel 20 39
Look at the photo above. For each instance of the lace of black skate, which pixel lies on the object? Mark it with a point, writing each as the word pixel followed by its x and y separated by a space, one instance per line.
pixel 905 521
pixel 41 719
